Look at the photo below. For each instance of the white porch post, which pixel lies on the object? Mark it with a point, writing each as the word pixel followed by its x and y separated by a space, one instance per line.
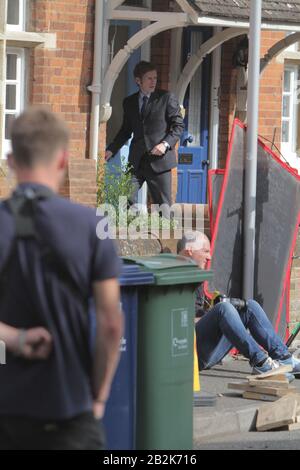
pixel 95 88
pixel 196 59
pixel 214 106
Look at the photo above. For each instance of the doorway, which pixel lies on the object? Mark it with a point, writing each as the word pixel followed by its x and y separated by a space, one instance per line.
pixel 193 151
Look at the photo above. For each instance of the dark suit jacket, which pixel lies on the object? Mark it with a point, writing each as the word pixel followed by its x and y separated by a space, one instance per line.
pixel 163 121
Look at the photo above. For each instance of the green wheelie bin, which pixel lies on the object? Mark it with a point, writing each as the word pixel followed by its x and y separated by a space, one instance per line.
pixel 166 313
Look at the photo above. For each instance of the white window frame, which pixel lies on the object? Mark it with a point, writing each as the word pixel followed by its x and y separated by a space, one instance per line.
pixel 20 91
pixel 195 96
pixel 289 148
pixel 22 18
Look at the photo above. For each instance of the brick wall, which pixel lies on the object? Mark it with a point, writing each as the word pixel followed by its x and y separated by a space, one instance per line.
pixel 270 95
pixel 160 48
pixel 295 287
pixel 59 78
pixel 82 181
pixel 227 98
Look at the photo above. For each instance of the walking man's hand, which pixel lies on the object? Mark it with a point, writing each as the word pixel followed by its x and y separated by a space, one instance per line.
pixel 159 150
pixel 108 155
pixel 34 343
pixel 98 409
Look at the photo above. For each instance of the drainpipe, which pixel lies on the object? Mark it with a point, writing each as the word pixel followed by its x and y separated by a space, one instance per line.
pixel 251 151
pixel 95 88
pixel 214 107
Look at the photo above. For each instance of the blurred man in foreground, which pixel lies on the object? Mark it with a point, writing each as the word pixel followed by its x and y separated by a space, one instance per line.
pixel 52 390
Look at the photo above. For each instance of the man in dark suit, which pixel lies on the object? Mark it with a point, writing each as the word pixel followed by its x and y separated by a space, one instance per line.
pixel 154 118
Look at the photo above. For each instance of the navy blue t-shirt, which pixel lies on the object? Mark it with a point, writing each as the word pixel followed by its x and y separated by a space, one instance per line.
pixel 59 387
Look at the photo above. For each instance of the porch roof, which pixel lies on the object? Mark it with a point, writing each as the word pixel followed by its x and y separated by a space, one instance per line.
pixel 273 12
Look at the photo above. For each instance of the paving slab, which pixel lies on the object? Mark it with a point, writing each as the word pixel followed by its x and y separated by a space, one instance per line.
pixel 279 440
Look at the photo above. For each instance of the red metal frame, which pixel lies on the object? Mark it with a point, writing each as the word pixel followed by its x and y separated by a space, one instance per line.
pixel 211 173
pixel 294 172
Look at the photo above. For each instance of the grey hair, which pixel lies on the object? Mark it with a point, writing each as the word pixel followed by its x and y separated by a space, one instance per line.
pixel 189 238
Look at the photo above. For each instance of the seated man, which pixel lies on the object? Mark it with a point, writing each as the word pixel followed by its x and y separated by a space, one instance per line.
pixel 223 327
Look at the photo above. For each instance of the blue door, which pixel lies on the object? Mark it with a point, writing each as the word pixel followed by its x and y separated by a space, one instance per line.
pixel 193 151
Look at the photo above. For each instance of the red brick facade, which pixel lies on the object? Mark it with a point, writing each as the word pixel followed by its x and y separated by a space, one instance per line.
pixel 271 93
pixel 227 98
pixel 59 78
pixel 160 49
pixel 270 100
pixel 295 287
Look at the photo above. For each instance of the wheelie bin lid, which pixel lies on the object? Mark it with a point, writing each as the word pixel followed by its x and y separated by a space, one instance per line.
pixel 170 269
pixel 134 275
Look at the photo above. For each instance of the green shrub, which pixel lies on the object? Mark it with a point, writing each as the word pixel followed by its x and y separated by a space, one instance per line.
pixel 118 184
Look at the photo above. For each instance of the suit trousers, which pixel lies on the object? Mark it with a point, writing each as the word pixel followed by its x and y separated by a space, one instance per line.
pixel 159 184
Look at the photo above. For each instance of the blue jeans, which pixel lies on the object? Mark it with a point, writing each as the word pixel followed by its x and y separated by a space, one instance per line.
pixel 223 327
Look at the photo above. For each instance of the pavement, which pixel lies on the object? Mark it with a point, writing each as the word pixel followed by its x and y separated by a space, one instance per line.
pixel 230 423
pixel 280 440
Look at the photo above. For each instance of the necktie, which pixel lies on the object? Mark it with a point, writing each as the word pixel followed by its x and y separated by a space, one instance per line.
pixel 144 106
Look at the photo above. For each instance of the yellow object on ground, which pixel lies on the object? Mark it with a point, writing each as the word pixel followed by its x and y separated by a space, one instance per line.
pixel 196 368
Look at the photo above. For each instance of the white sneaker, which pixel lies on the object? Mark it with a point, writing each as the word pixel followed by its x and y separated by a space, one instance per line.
pixel 269 365
pixel 291 361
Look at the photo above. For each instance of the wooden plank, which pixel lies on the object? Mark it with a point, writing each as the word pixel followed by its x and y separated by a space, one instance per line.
pixel 260 388
pixel 278 414
pixel 259 396
pixel 269 383
pixel 291 427
pixel 281 392
pixel 278 378
pixel 279 371
pixel 238 386
pixel 274 391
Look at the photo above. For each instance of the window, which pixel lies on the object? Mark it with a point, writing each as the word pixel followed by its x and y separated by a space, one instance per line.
pixel 289 111
pixel 195 91
pixel 134 3
pixel 14 91
pixel 16 15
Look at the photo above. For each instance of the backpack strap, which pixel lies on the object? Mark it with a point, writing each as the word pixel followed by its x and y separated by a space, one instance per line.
pixel 23 205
